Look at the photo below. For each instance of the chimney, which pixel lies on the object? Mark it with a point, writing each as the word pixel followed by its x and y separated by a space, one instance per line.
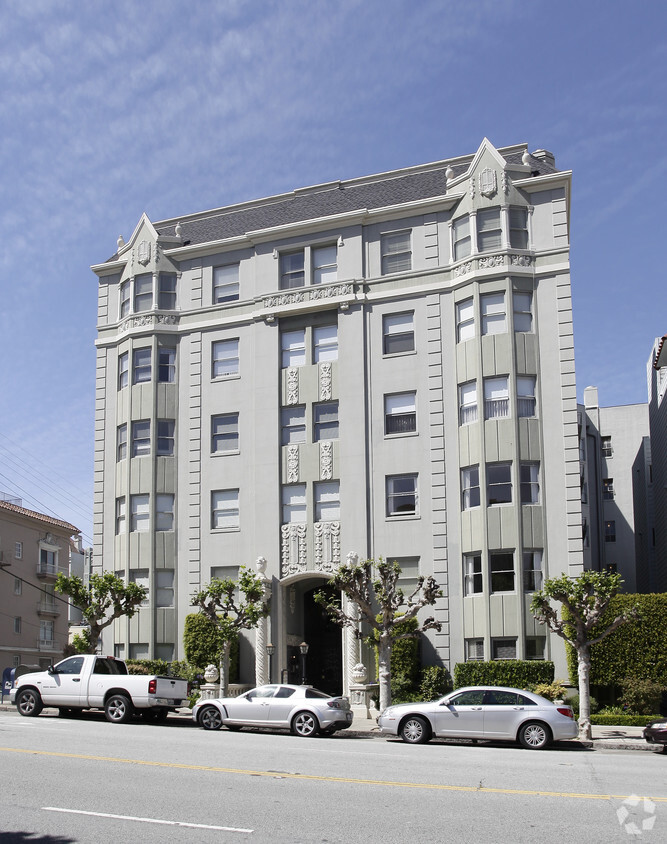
pixel 546 156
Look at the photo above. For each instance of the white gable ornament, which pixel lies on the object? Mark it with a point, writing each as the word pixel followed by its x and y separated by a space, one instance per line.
pixel 144 252
pixel 488 182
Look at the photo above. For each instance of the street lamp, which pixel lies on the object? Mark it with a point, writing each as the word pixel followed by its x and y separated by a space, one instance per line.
pixel 303 647
pixel 270 650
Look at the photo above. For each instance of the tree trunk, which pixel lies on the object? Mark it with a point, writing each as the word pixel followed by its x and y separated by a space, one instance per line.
pixel 584 673
pixel 384 670
pixel 224 668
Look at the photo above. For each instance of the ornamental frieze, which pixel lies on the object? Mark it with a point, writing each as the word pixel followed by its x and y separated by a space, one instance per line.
pixel 292 464
pixel 148 321
pixel 463 269
pixel 491 261
pixel 326 460
pixel 325 381
pixel 284 299
pixel 293 385
pixel 293 557
pixel 521 260
pixel 327 546
pixel 332 291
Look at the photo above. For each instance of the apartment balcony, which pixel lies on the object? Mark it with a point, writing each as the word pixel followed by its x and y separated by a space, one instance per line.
pixel 47 645
pixel 48 608
pixel 48 570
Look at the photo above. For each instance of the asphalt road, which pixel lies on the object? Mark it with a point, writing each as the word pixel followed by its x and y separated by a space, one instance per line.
pixel 87 781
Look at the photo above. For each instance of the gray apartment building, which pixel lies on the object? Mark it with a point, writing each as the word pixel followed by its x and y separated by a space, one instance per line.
pixel 383 366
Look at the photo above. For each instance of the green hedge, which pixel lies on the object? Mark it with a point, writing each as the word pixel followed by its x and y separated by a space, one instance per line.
pixel 515 673
pixel 636 649
pixel 624 720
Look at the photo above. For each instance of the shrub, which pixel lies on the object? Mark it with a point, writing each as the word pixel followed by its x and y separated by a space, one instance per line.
pixel 201 643
pixel 436 681
pixel 641 697
pixel 605 720
pixel 516 673
pixel 402 689
pixel 551 691
pixel 573 701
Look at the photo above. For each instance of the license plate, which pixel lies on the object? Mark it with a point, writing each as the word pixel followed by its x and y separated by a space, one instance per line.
pixel 348 715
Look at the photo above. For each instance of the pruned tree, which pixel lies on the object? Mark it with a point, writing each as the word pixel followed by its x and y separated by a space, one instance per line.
pixel 105 598
pixel 219 603
pixel 373 588
pixel 584 598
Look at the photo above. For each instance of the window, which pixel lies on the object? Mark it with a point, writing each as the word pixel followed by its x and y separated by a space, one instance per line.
pixel 141 438
pixel 396 252
pixel 18 586
pixel 141 366
pixel 610 531
pixel 293 347
pixel 225 433
pixel 461 233
pixel 529 482
pixel 138 650
pixel 400 413
pixel 503 648
pixel 167 291
pixel 468 403
pixel 17 624
pixel 532 571
pixel 46 634
pixel 605 443
pixel 139 513
pixel 522 304
pixel 398 333
pixel 164 512
pixel 141 578
pixel 492 307
pixel 409 575
pixel 225 284
pixel 525 396
pixel 123 367
pixel 293 425
pixel 225 358
pixel 143 292
pixel 488 229
pixel 325 268
pixel 294 504
pixel 18 550
pixel 327 501
pixel 121 442
pixel 402 495
pixel 166 365
pixel 325 343
pixel 608 489
pixel 519 228
pixel 48 561
pixel 474 649
pixel 470 487
pixel 292 272
pixel 225 509
pixel 124 299
pixel 325 421
pixel 496 398
pixel 165 437
pixel 472 573
pixel 465 320
pixel 535 646
pixel 501 564
pixel 120 515
pixel 499 483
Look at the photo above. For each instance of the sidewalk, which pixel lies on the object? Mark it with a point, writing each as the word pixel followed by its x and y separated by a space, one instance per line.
pixel 607 737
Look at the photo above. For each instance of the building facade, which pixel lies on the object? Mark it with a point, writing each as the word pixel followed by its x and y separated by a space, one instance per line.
pixel 657 408
pixel 34 548
pixel 382 366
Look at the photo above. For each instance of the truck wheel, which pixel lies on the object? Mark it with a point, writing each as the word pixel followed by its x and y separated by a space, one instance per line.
pixel 118 709
pixel 29 703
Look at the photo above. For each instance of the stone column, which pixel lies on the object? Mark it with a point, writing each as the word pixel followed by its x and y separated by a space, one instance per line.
pixel 261 658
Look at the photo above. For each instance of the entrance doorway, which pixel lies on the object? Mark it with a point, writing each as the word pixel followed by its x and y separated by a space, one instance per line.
pixel 324 661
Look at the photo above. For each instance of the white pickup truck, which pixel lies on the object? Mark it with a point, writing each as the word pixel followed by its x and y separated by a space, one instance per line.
pixel 88 681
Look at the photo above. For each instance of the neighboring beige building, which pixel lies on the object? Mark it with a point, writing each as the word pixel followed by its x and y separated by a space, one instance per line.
pixel 33 618
pixel 384 366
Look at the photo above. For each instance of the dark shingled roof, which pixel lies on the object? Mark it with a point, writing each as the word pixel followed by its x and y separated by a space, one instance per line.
pixel 329 200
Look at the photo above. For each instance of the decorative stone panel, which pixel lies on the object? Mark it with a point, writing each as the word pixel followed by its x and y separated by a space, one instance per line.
pixel 327 546
pixel 326 460
pixel 293 549
pixel 325 381
pixel 293 385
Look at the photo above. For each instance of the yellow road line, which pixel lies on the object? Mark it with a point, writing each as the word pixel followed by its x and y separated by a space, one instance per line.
pixel 319 778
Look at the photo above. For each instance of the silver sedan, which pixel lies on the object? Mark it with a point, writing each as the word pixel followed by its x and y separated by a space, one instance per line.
pixel 476 712
pixel 302 709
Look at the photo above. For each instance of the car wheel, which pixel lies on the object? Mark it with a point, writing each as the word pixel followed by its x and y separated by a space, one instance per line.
pixel 305 724
pixel 118 709
pixel 415 730
pixel 29 703
pixel 534 735
pixel 210 718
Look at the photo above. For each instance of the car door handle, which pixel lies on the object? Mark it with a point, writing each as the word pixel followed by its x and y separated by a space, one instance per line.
pixel 519 708
pixel 476 708
pixel 76 679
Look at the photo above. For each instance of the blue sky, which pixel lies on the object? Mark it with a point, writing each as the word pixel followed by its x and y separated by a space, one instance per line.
pixel 112 109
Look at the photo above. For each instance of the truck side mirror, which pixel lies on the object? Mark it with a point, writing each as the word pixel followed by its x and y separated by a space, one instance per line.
pixel 51 670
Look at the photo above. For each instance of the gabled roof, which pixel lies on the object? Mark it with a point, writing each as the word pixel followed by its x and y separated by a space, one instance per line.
pixel 337 198
pixel 661 354
pixel 40 517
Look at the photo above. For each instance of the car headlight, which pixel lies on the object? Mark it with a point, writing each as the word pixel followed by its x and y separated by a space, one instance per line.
pixel 388 712
pixel 659 725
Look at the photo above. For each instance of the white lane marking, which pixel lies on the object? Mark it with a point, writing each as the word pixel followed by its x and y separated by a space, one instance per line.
pixel 145 820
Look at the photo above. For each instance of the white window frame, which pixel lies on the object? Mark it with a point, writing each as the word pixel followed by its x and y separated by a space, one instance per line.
pixel 124 299
pixel 164 511
pixel 471 492
pixel 398 329
pixel 226 284
pixel 498 478
pixel 166 356
pixel 140 515
pixel 497 573
pixel 518 223
pixel 522 307
pixel 526 402
pixel 141 438
pixel 496 397
pixel 294 504
pixel 529 482
pixel 400 414
pixel 461 237
pixel 468 405
pixel 142 578
pixel 167 291
pixel 142 365
pixel 325 343
pixel 225 433
pixel 121 442
pixel 293 348
pixel 225 510
pixel 18 586
pixel 327 428
pixel 394 494
pixel 474 650
pixel 123 370
pixel 473 575
pixel 326 499
pixel 121 515
pixel 489 229
pixel 225 361
pixel 465 320
pixel 293 424
pixel 324 269
pixel 396 252
pixel 533 573
pixel 165 440
pixel 493 312
pixel 143 293
pixel 292 270
pixel 506 643
pixel 18 550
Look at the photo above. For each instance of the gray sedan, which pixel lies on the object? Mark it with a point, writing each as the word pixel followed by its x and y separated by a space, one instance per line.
pixel 302 709
pixel 475 712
